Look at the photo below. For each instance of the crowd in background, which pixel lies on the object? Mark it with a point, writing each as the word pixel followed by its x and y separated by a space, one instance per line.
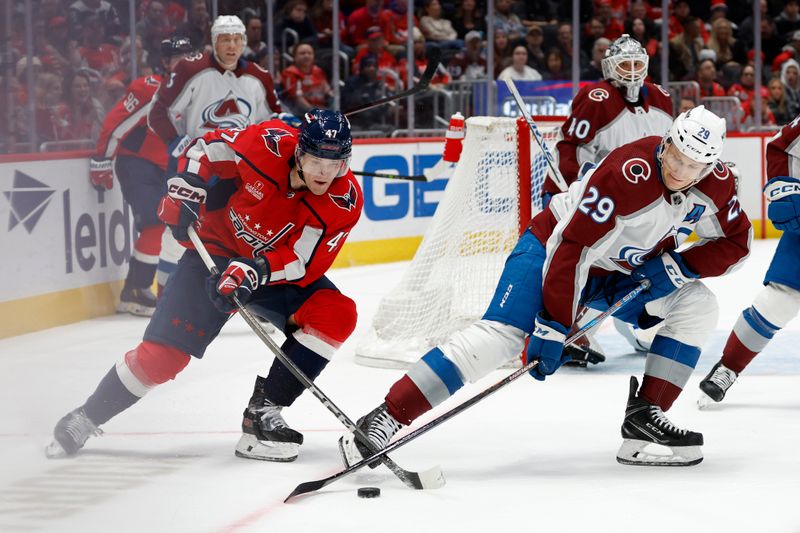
pixel 83 51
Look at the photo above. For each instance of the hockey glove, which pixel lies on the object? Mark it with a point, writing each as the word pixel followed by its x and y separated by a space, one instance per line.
pixel 176 149
pixel 241 277
pixel 547 345
pixel 783 195
pixel 100 174
pixel 666 272
pixel 180 207
pixel 289 119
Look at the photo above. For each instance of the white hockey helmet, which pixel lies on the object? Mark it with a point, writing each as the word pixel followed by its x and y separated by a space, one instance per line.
pixel 625 65
pixel 225 24
pixel 698 134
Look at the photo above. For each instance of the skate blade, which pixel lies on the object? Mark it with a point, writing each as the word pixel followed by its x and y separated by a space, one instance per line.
pixel 705 401
pixel 54 450
pixel 350 454
pixel 249 447
pixel 633 452
pixel 135 309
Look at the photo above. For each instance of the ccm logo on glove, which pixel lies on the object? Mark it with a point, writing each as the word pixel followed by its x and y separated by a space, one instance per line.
pixel 179 189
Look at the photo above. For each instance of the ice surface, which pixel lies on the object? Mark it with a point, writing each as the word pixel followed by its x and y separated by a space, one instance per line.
pixel 533 457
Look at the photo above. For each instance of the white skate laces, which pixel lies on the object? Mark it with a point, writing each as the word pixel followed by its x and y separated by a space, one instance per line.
pixel 270 416
pixel 723 377
pixel 661 419
pixel 382 428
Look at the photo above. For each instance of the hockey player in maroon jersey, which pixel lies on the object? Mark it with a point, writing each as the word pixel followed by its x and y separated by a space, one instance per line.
pixel 619 109
pixel 206 92
pixel 619 225
pixel 291 207
pixel 138 157
pixel 779 301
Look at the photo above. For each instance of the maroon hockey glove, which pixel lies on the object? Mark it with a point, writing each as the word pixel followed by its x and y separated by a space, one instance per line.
pixel 101 174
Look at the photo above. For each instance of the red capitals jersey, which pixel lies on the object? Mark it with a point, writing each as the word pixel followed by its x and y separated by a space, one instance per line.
pixel 621 214
pixel 299 233
pixel 201 96
pixel 783 152
pixel 603 120
pixel 312 86
pixel 125 130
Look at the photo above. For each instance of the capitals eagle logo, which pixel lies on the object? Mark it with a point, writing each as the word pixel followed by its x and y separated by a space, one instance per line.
pixel 346 201
pixel 272 139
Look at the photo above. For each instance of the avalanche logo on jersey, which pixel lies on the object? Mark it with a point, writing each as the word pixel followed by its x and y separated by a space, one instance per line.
pixel 598 95
pixel 229 112
pixel 347 201
pixel 272 139
pixel 636 169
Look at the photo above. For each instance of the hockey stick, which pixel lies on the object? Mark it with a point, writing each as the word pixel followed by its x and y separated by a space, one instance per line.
pixel 390 176
pixel 422 85
pixel 429 479
pixel 556 174
pixel 311 486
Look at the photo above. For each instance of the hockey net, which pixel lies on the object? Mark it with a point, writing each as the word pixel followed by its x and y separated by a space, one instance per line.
pixel 453 274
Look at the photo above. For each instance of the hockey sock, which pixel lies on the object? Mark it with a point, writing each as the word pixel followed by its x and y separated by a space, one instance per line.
pixel 280 386
pixel 145 258
pixel 431 380
pixel 668 367
pixel 140 274
pixel 751 334
pixel 109 399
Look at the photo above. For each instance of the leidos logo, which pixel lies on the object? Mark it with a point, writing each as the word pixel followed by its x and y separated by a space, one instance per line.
pixel 28 199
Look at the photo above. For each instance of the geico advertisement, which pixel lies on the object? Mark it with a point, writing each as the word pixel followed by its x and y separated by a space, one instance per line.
pixel 57 231
pixel 396 208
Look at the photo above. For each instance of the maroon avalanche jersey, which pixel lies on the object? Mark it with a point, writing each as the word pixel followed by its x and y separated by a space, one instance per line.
pixel 783 151
pixel 299 233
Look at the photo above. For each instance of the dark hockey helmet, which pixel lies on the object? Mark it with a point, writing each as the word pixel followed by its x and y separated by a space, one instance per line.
pixel 326 134
pixel 175 46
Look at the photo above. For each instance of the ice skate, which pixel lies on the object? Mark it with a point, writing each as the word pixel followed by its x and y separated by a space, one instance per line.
pixel 70 434
pixel 716 384
pixel 379 426
pixel 265 434
pixel 646 425
pixel 139 302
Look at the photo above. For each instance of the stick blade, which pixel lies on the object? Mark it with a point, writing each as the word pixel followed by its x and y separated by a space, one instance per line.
pixel 306 487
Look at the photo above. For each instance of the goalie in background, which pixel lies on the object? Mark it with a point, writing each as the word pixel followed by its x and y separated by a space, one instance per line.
pixel 293 202
pixel 779 301
pixel 619 225
pixel 617 110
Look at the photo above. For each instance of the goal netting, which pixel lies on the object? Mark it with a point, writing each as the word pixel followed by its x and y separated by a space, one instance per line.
pixel 450 281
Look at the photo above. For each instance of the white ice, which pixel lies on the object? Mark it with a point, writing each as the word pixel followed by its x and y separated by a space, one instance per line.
pixel 533 457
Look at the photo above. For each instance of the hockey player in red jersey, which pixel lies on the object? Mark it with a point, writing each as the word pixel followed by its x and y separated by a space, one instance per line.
pixel 206 92
pixel 619 225
pixel 779 301
pixel 138 157
pixel 619 109
pixel 292 203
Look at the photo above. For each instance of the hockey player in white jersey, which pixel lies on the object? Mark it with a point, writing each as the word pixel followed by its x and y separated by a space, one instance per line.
pixel 779 301
pixel 205 92
pixel 619 225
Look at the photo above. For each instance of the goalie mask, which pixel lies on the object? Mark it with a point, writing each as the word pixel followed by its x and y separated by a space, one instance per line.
pixel 625 65
pixel 691 147
pixel 324 144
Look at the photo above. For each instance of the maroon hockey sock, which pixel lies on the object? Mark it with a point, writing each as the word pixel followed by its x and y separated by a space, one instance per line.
pixel 405 402
pixel 735 355
pixel 659 392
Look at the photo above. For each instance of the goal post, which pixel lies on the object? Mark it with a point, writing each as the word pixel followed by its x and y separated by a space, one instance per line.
pixel 494 191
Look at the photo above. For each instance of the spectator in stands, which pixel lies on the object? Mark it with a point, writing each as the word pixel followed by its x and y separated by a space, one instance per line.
pixel 295 18
pixel 748 112
pixel 519 69
pixel 777 102
pixel 747 26
pixel 772 45
pixel 593 30
pixel 638 10
pixel 468 17
pixel 153 29
pixel 745 89
pixel 469 64
pixel 726 47
pixel 706 78
pixel 594 71
pixel 306 85
pixel 686 104
pixel 51 59
pixel 442 77
pixel 255 46
pixel 437 29
pixel 534 42
pixel 719 10
pixel 508 21
pixel 502 51
pixel 100 15
pixel 642 31
pixel 52 122
pixel 789 18
pixel 387 64
pixel 396 33
pixel 365 87
pixel 555 68
pixel 685 48
pixel 362 20
pixel 49 9
pixel 64 46
pixel 605 13
pixel 790 77
pixel 538 12
pixel 85 113
pixel 322 17
pixel 96 54
pixel 198 26
pixel 564 44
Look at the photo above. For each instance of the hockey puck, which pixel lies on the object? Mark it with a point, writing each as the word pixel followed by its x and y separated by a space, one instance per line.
pixel 369 492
